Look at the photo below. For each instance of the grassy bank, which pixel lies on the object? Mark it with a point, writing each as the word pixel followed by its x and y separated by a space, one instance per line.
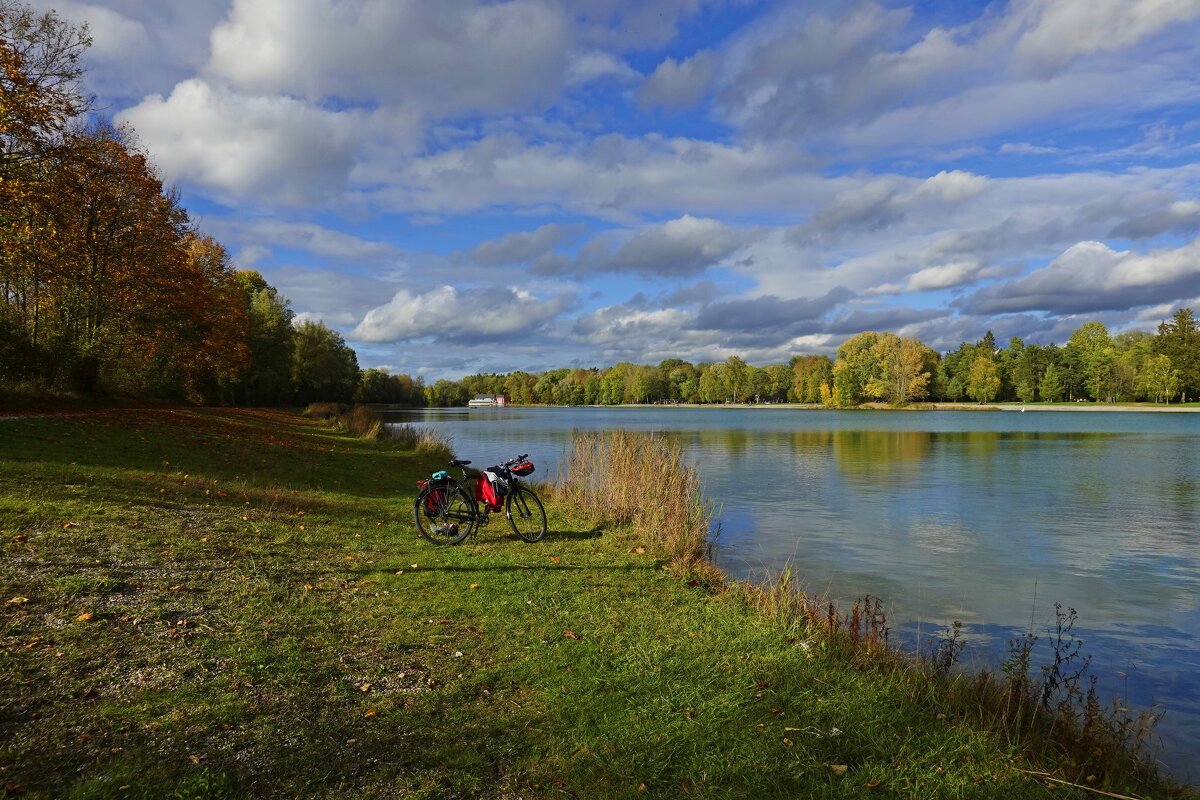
pixel 207 604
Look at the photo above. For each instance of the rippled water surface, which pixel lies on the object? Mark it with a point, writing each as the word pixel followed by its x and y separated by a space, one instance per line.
pixel 987 518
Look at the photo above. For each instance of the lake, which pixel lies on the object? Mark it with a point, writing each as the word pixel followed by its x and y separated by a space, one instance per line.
pixel 984 517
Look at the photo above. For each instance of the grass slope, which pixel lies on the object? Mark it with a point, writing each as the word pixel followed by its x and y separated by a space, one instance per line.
pixel 206 604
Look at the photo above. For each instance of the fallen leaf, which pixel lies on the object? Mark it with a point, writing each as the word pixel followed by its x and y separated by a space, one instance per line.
pixel 194 759
pixel 308 587
pixel 787 742
pixel 556 560
pixel 16 601
pixel 412 566
pixel 641 551
pixel 871 784
pixel 399 572
pixel 838 769
pixel 370 712
pixel 366 687
pixel 474 585
pixel 571 635
pixel 84 617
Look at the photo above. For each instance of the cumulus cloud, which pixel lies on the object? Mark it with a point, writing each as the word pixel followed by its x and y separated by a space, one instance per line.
pixel 870 77
pixel 677 248
pixel 1181 216
pixel 243 145
pixel 597 64
pixel 679 84
pixel 1091 276
pixel 444 57
pixel 448 314
pixel 1063 30
pixel 513 248
pixel 138 47
pixel 781 318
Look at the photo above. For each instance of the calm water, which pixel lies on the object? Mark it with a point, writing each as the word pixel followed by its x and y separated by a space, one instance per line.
pixel 987 518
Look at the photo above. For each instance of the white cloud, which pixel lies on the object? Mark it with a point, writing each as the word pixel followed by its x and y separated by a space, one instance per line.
pixel 443 58
pixel 679 84
pixel 521 246
pixel 596 64
pixel 446 313
pixel 1066 29
pixel 248 146
pixel 1091 276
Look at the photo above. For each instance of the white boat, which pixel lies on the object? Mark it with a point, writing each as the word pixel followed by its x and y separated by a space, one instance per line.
pixel 487 401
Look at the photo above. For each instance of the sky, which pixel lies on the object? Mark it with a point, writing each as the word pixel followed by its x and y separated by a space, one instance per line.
pixel 464 187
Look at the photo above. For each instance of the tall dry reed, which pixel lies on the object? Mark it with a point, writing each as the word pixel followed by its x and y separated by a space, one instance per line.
pixel 426 441
pixel 324 410
pixel 640 480
pixel 361 421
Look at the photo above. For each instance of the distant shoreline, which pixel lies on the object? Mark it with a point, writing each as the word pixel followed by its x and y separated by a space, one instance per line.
pixel 1091 407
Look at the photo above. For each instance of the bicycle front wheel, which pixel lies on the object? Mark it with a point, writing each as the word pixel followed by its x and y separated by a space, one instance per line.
pixel 525 514
pixel 445 514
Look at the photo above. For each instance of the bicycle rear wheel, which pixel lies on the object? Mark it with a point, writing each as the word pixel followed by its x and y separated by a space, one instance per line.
pixel 525 514
pixel 445 514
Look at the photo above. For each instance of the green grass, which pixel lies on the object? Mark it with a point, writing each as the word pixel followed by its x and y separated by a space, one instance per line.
pixel 236 603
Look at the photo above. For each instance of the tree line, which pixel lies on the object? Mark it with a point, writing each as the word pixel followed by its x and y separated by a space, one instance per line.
pixel 884 367
pixel 105 284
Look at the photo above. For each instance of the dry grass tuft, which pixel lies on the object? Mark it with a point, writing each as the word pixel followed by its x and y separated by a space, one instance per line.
pixel 362 422
pixel 640 480
pixel 324 410
pixel 426 441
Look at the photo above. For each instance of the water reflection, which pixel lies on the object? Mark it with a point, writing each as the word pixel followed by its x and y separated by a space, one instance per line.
pixel 984 518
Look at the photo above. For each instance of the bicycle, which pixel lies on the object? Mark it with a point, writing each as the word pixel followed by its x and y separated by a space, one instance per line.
pixel 446 513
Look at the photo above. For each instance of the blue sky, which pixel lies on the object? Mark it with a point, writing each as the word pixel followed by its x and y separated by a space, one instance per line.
pixel 461 186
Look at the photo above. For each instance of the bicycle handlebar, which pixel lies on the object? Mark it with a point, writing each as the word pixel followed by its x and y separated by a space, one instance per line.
pixel 516 460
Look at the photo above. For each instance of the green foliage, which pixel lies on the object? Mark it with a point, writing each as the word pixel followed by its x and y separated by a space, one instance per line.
pixel 983 382
pixel 323 367
pixel 1052 388
pixel 1092 347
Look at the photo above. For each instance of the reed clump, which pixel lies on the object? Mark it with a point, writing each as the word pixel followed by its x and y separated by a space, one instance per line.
pixel 426 441
pixel 361 421
pixel 1047 705
pixel 640 481
pixel 324 411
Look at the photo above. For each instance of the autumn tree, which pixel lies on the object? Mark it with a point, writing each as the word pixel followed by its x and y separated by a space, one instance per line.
pixel 903 369
pixel 854 369
pixel 809 374
pixel 984 380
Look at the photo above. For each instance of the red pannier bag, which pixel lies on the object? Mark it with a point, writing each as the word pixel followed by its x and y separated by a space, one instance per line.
pixel 485 492
pixel 435 497
pixel 523 469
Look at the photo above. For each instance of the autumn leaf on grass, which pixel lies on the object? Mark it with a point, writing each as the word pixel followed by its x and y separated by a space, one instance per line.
pixel 370 712
pixel 641 551
pixel 838 769
pixel 571 635
pixel 555 559
pixel 84 617
pixel 16 601
pixel 474 585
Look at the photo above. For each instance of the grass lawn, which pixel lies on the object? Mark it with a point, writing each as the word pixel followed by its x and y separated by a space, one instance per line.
pixel 227 603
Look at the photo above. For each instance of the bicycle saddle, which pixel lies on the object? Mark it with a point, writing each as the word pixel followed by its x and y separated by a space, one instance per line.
pixel 459 463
